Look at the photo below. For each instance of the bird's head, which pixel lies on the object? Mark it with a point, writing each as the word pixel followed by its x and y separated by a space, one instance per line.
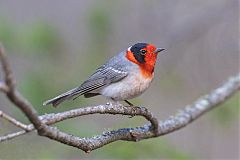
pixel 144 55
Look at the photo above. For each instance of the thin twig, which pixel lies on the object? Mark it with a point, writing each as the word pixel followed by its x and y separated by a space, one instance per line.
pixel 13 121
pixel 12 135
pixel 9 80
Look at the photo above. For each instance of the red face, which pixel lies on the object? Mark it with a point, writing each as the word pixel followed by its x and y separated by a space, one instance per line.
pixel 145 55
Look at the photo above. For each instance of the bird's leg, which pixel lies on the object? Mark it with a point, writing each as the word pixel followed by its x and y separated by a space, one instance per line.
pixel 129 103
pixel 109 103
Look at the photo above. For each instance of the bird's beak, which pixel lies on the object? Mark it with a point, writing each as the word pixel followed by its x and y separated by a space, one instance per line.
pixel 159 50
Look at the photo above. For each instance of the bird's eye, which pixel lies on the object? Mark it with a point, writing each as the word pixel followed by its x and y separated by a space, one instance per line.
pixel 143 52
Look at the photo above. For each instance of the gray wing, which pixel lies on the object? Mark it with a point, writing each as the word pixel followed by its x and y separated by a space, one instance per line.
pixel 103 76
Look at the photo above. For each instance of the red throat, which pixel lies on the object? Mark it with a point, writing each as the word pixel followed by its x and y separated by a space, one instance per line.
pixel 146 68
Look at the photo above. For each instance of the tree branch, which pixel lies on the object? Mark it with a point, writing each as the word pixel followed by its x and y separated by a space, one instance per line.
pixel 3 87
pixel 12 135
pixel 14 96
pixel 154 129
pixel 13 121
pixel 176 122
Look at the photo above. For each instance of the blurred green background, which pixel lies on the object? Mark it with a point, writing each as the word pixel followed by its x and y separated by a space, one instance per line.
pixel 54 45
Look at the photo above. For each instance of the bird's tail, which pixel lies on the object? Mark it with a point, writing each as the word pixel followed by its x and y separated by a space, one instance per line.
pixel 62 97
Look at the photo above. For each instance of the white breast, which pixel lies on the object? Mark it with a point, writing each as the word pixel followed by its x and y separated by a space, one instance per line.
pixel 131 86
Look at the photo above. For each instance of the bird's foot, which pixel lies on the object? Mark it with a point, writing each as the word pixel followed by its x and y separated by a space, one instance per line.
pixel 134 109
pixel 109 103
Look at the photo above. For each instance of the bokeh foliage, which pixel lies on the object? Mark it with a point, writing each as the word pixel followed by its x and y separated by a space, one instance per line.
pixel 36 38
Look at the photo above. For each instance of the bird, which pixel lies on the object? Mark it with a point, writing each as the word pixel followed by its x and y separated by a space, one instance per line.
pixel 123 77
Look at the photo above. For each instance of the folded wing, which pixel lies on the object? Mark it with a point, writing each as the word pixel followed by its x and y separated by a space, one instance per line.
pixel 101 78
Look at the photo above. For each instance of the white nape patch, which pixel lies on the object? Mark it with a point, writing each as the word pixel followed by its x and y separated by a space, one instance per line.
pixel 117 71
pixel 129 48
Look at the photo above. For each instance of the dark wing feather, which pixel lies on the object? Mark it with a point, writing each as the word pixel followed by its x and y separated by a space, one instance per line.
pixel 102 77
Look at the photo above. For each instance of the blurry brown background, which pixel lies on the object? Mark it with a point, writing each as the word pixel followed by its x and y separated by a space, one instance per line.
pixel 55 45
